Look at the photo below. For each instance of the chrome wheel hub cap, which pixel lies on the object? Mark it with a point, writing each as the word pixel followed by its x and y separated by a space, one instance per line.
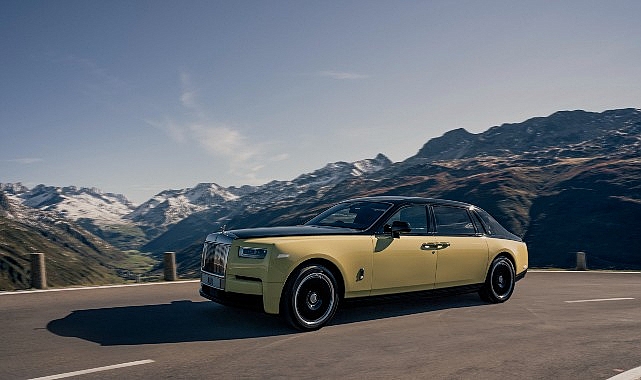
pixel 312 301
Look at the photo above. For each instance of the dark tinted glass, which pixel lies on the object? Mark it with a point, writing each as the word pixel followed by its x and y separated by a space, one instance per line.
pixel 357 215
pixel 494 228
pixel 453 221
pixel 416 216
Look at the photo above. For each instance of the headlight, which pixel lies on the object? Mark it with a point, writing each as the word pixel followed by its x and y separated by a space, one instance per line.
pixel 252 253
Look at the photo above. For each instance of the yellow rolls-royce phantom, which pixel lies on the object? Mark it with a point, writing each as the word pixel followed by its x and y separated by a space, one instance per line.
pixel 359 248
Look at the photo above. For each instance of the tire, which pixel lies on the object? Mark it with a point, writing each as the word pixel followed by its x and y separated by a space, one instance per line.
pixel 499 284
pixel 310 298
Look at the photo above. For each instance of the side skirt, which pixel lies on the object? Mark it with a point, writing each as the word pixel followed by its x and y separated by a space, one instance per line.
pixel 433 293
pixel 520 276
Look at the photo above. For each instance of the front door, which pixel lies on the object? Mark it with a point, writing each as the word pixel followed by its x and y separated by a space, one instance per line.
pixel 403 263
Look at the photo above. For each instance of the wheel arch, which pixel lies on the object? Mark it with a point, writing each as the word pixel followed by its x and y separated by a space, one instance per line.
pixel 505 254
pixel 333 268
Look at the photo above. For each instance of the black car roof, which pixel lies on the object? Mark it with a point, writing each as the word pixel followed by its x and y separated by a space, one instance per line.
pixel 401 199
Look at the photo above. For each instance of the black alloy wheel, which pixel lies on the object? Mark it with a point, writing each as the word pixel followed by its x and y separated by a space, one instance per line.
pixel 499 284
pixel 311 299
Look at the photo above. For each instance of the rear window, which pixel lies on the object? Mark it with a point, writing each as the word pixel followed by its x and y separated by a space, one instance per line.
pixel 492 226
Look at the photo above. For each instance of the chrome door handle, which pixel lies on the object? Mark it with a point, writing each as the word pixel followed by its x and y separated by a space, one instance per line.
pixel 435 246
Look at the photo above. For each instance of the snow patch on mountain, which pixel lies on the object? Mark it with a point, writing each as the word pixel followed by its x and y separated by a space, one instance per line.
pixel 72 202
pixel 171 206
pixel 336 172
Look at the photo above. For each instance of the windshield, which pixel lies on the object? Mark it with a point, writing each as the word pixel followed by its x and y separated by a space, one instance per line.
pixel 358 215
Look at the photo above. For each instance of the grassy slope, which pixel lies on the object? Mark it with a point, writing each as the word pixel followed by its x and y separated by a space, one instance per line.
pixel 73 256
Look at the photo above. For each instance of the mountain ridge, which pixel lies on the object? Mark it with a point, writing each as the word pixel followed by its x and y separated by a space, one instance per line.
pixel 563 128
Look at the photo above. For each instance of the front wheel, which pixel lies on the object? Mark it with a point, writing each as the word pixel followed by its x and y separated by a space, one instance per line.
pixel 310 298
pixel 499 284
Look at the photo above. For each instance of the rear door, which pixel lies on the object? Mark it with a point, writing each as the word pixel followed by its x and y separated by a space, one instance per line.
pixel 461 250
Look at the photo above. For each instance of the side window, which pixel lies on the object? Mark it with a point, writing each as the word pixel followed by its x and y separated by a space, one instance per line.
pixel 416 216
pixel 453 221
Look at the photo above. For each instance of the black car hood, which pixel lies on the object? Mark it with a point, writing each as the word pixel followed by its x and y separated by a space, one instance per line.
pixel 290 231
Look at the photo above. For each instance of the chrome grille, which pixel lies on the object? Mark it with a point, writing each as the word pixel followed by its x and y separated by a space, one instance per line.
pixel 215 258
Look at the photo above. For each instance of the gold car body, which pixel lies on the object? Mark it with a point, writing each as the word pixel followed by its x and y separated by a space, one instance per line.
pixel 364 264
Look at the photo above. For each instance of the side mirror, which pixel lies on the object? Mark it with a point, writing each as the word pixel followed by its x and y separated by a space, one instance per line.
pixel 399 228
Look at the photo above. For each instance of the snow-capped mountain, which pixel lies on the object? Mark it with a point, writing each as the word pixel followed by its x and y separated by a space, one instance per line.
pixel 171 206
pixel 13 188
pixel 339 171
pixel 73 203
pixel 252 200
pixel 317 181
pixel 100 212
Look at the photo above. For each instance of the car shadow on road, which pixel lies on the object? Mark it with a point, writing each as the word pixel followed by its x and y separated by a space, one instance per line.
pixel 178 321
pixel 188 321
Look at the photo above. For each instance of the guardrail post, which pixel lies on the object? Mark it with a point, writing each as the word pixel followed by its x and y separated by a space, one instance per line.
pixel 581 263
pixel 38 271
pixel 170 266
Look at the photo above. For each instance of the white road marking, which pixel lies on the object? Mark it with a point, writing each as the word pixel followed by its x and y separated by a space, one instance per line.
pixel 93 287
pixel 633 374
pixel 581 271
pixel 601 300
pixel 92 370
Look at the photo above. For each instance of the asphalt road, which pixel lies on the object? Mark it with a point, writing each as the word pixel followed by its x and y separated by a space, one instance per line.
pixel 168 331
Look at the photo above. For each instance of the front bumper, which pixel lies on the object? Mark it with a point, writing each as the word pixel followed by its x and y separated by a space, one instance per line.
pixel 251 301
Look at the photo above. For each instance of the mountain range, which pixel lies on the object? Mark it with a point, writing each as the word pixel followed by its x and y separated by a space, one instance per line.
pixel 567 182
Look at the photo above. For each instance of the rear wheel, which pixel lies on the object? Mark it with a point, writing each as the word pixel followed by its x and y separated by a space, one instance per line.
pixel 310 298
pixel 499 284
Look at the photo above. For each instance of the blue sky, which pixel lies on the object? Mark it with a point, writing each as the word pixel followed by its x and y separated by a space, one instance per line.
pixel 135 97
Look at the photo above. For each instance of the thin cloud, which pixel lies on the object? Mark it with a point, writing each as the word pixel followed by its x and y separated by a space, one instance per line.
pixel 341 75
pixel 188 94
pixel 217 140
pixel 243 156
pixel 104 80
pixel 234 147
pixel 222 141
pixel 171 129
pixel 280 157
pixel 24 161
